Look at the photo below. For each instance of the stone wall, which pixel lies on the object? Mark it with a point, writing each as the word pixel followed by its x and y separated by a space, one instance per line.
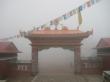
pixel 91 66
pixel 21 69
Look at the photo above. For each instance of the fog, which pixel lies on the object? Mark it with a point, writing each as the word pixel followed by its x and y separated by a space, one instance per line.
pixel 18 15
pixel 56 60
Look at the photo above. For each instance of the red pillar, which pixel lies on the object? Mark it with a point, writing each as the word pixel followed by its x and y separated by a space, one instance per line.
pixel 34 60
pixel 77 60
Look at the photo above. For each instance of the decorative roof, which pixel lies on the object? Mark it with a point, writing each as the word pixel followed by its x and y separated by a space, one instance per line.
pixel 103 43
pixel 8 58
pixel 58 33
pixel 23 61
pixel 8 47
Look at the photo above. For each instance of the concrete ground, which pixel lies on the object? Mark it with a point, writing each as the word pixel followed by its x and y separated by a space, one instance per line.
pixel 58 78
pixel 67 78
pixel 21 79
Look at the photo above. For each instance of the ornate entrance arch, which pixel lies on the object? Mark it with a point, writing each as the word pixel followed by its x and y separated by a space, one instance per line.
pixel 64 38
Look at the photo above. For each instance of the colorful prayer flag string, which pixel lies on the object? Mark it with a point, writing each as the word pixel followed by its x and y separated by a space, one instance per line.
pixel 57 20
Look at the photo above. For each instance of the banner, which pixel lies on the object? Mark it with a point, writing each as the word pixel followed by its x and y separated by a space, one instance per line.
pixel 79 16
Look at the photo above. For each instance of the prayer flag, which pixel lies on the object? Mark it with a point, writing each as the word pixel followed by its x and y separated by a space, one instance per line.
pixel 92 2
pixel 64 16
pixel 88 3
pixel 79 16
pixel 71 13
pixel 80 8
pixel 74 11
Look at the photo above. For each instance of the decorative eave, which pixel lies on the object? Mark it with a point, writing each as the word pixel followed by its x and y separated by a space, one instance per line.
pixel 58 34
pixel 103 54
pixel 104 43
pixel 8 58
pixel 8 47
pixel 9 52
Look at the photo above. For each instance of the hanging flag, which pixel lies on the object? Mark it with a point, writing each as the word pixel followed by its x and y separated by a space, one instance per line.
pixel 88 4
pixel 37 28
pixel 43 26
pixel 79 16
pixel 92 2
pixel 83 6
pixel 68 15
pixel 34 28
pixel 97 1
pixel 80 8
pixel 17 36
pixel 74 11
pixel 51 22
pixel 56 22
pixel 61 18
pixel 71 13
pixel 22 33
pixel 65 16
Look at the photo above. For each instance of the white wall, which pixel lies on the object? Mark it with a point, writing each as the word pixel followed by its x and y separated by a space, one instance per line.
pixel 18 15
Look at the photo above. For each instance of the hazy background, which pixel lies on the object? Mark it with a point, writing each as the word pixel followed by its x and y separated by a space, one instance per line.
pixel 18 15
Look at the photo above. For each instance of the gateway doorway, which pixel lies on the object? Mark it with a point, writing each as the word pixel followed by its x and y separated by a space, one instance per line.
pixel 40 39
pixel 56 61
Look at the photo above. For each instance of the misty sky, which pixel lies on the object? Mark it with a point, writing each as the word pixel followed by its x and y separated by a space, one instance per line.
pixel 18 15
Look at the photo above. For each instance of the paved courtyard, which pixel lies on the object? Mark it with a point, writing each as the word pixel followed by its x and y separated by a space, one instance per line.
pixel 21 79
pixel 67 78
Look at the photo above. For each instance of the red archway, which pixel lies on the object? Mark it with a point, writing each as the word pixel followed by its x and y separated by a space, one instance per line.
pixel 64 38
